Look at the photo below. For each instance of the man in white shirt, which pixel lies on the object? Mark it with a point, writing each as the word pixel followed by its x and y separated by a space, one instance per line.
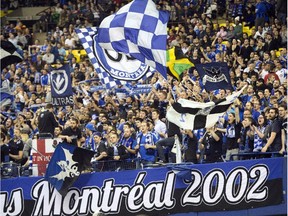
pixel 70 42
pixel 280 71
pixel 160 127
pixel 260 33
pixel 48 57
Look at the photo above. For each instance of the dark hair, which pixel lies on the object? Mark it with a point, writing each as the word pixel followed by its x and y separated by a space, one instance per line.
pixel 284 105
pixel 74 119
pixel 156 110
pixel 275 109
pixel 49 106
pixel 3 136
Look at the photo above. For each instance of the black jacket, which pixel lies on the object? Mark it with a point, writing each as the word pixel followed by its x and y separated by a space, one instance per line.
pixel 122 152
pixel 47 122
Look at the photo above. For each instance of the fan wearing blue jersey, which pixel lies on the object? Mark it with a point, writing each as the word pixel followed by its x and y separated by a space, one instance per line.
pixel 146 145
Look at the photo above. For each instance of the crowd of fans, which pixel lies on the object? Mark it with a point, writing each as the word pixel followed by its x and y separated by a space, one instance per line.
pixel 127 127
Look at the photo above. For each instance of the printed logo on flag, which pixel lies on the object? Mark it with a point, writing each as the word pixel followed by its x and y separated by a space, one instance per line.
pixel 59 81
pixel 68 166
pixel 214 75
pixel 61 89
pixel 118 65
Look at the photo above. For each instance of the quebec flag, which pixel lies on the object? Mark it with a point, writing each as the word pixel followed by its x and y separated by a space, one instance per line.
pixel 139 30
pixel 61 88
pixel 65 166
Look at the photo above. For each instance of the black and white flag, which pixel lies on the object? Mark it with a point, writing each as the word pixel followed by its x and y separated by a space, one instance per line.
pixel 192 115
pixel 9 54
pixel 61 89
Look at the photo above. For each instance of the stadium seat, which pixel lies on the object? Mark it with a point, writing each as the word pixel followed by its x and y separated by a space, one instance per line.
pixel 222 24
pixel 83 52
pixel 76 54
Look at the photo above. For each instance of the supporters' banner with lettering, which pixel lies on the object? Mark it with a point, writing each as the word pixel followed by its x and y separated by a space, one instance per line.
pixel 138 91
pixel 41 153
pixel 224 187
pixel 113 68
pixel 96 88
pixel 61 89
pixel 214 75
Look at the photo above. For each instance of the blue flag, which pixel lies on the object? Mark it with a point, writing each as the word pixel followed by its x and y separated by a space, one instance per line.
pixel 65 166
pixel 61 89
pixel 113 68
pixel 139 30
pixel 214 75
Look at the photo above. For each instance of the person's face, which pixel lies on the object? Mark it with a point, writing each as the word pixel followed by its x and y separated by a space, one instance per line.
pixel 266 56
pixel 246 122
pixel 127 132
pixel 128 100
pixel 138 123
pixel 125 127
pixel 250 88
pixel 21 119
pixel 57 131
pixel 276 84
pixel 246 114
pixel 282 112
pixel 113 138
pixel 282 89
pixel 261 95
pixel 261 120
pixel 144 127
pixel 28 115
pixel 277 95
pixel 17 133
pixel 103 119
pixel 155 115
pixel 38 88
pixel 97 139
pixel 231 118
pixel 248 106
pixel 256 105
pixel 272 114
pixel 73 124
pixel 266 93
pixel 8 123
pixel 105 127
pixel 142 114
pixel 162 96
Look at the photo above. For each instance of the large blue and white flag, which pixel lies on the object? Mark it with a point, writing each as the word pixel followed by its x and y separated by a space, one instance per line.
pixel 139 30
pixel 66 165
pixel 214 75
pixel 112 68
pixel 61 88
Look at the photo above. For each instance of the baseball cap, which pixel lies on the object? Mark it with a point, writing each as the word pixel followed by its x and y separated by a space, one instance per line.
pixel 90 126
pixel 97 134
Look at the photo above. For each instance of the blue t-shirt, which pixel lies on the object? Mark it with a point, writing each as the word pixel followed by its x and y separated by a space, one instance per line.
pixel 146 154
